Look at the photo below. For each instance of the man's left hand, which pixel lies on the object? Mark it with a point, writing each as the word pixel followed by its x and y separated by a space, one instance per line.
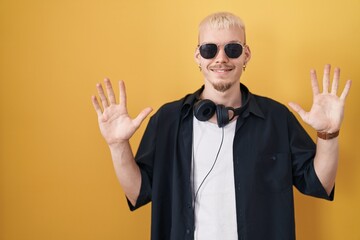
pixel 327 111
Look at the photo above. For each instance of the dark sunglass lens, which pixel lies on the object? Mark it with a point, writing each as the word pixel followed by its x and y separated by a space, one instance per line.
pixel 233 50
pixel 208 50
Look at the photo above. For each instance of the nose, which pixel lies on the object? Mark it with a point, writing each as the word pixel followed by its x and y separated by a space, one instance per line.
pixel 221 57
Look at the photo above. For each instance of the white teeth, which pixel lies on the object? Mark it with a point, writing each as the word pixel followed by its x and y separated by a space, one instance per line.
pixel 221 70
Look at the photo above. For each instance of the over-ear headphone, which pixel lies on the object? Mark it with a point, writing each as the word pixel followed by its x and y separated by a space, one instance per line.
pixel 205 109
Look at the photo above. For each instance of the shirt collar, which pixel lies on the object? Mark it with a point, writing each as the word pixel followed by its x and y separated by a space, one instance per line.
pixel 249 103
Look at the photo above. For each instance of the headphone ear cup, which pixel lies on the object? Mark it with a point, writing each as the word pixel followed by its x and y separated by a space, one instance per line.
pixel 204 109
pixel 222 115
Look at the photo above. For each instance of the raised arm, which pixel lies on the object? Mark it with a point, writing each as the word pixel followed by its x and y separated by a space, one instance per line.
pixel 325 116
pixel 117 128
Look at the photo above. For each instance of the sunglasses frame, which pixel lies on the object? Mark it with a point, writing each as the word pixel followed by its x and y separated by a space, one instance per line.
pixel 223 45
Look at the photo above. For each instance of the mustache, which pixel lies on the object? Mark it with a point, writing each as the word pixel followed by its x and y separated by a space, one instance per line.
pixel 221 66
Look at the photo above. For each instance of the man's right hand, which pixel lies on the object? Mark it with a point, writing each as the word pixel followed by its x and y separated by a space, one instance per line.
pixel 115 124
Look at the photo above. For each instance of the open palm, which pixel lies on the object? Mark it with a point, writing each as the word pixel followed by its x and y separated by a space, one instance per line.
pixel 115 124
pixel 327 111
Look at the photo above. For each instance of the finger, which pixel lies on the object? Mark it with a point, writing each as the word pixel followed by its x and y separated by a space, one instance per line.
pixel 110 91
pixel 296 107
pixel 122 93
pixel 96 105
pixel 102 96
pixel 346 90
pixel 314 82
pixel 335 83
pixel 142 115
pixel 326 78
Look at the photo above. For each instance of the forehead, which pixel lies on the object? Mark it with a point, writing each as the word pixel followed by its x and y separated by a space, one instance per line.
pixel 222 35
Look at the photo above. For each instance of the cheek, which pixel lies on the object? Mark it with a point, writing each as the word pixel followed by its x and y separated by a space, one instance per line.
pixel 238 63
pixel 206 63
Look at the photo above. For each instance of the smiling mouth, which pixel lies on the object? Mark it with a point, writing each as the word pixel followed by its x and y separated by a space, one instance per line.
pixel 221 70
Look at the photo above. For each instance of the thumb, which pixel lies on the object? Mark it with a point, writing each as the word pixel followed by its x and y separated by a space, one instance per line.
pixel 296 107
pixel 141 116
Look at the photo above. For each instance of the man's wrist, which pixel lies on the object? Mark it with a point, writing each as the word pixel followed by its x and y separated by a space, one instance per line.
pixel 328 136
pixel 118 145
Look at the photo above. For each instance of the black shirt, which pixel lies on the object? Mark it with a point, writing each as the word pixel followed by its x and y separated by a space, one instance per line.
pixel 271 152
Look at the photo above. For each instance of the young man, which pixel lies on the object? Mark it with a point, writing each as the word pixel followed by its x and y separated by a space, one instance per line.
pixel 220 163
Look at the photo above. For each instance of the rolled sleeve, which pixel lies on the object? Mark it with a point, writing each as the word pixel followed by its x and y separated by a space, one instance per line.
pixel 145 192
pixel 314 187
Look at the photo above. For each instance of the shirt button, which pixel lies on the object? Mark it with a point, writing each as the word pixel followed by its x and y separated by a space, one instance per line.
pixel 187 231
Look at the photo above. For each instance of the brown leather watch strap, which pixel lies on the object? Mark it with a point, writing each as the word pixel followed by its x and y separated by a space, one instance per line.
pixel 327 136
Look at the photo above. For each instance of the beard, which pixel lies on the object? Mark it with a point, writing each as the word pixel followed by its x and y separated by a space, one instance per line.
pixel 222 87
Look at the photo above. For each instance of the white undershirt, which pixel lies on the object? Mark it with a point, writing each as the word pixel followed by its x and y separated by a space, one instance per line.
pixel 215 207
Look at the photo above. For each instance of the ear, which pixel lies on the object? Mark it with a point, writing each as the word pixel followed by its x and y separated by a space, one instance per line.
pixel 197 56
pixel 247 53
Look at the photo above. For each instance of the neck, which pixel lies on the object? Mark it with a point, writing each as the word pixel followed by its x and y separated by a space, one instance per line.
pixel 228 98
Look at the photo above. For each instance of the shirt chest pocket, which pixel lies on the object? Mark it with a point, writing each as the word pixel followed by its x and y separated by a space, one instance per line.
pixel 273 173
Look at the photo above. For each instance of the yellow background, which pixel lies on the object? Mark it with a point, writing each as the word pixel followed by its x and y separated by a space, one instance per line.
pixel 56 175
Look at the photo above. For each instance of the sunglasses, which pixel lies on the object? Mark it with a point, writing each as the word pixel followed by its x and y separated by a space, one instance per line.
pixel 210 50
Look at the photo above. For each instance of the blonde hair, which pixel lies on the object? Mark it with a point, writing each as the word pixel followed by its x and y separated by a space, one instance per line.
pixel 222 20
